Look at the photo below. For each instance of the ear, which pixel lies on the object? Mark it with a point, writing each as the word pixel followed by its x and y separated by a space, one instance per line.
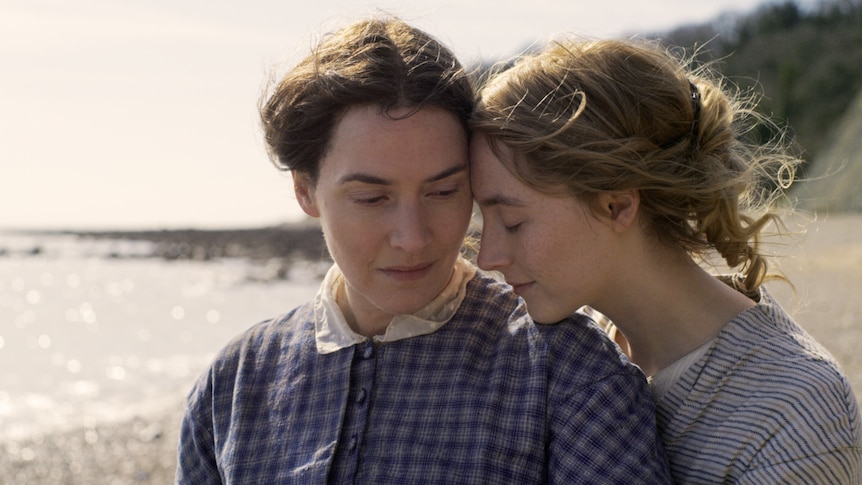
pixel 619 208
pixel 304 190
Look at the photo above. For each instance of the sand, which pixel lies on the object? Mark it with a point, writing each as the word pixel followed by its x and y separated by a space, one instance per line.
pixel 824 264
pixel 826 269
pixel 139 451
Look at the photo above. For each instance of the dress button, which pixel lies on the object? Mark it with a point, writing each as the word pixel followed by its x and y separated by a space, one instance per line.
pixel 360 397
pixel 353 442
pixel 368 351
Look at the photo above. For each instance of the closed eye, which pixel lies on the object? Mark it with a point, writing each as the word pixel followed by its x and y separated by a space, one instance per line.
pixel 513 228
pixel 370 201
pixel 444 193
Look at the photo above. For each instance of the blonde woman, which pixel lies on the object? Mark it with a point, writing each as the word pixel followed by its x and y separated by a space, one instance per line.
pixel 603 170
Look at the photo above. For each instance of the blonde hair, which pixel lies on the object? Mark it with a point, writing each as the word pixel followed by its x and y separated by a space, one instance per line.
pixel 606 115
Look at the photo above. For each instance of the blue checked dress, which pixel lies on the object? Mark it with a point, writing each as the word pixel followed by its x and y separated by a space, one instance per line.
pixel 489 398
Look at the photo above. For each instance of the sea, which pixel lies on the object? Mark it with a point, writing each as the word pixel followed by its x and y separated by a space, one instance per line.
pixel 97 331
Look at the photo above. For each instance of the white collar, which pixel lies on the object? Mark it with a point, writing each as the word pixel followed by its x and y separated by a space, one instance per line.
pixel 332 332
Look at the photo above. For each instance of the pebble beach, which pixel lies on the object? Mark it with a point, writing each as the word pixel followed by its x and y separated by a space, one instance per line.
pixel 823 261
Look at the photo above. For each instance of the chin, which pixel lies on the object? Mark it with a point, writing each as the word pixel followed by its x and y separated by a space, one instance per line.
pixel 547 321
pixel 546 317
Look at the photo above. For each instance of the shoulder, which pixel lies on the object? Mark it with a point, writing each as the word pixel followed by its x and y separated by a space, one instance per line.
pixel 256 347
pixel 765 341
pixel 777 373
pixel 273 333
pixel 484 290
pixel 491 302
pixel 601 403
pixel 580 333
pixel 582 356
pixel 577 351
pixel 490 307
pixel 577 341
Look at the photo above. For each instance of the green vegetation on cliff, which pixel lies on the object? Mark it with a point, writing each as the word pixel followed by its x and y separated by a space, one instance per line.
pixel 805 60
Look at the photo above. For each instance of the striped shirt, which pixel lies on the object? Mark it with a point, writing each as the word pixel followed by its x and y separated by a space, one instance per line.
pixel 490 397
pixel 766 404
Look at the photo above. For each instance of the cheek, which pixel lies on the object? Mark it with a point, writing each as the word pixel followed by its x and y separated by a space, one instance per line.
pixel 350 241
pixel 578 255
pixel 539 259
pixel 552 251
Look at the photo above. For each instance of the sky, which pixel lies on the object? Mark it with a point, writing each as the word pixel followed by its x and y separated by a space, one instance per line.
pixel 143 115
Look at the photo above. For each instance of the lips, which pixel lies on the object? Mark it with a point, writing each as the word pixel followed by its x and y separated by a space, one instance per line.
pixel 407 273
pixel 521 288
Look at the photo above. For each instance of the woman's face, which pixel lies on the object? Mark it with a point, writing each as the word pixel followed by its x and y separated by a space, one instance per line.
pixel 550 249
pixel 394 201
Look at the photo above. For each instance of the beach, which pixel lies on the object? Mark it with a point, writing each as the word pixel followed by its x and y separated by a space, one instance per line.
pixel 104 335
pixel 141 450
pixel 822 260
pixel 825 266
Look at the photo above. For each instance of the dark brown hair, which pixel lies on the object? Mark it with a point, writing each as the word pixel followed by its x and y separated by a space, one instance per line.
pixel 380 61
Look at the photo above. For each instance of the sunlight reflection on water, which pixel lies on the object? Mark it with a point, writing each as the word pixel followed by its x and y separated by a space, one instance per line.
pixel 86 339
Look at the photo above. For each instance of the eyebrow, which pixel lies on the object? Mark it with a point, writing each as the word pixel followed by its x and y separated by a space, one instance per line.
pixel 373 179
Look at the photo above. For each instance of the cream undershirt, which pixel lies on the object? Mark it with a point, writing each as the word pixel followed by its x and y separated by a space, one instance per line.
pixel 664 379
pixel 332 332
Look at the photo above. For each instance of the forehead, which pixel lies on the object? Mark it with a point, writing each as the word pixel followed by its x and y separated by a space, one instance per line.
pixel 492 181
pixel 401 143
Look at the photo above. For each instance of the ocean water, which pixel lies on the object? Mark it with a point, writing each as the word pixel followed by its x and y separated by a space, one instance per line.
pixel 93 332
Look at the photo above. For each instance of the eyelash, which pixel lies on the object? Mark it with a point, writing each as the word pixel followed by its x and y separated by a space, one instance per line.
pixel 513 229
pixel 445 192
pixel 370 201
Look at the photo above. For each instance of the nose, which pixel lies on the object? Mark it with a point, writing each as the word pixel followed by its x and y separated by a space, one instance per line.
pixel 492 256
pixel 411 231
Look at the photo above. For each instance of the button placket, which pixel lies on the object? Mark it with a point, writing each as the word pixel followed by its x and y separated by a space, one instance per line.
pixel 362 375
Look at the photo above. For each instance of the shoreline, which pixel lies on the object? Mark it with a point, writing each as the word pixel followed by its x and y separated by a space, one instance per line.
pixel 824 264
pixel 289 241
